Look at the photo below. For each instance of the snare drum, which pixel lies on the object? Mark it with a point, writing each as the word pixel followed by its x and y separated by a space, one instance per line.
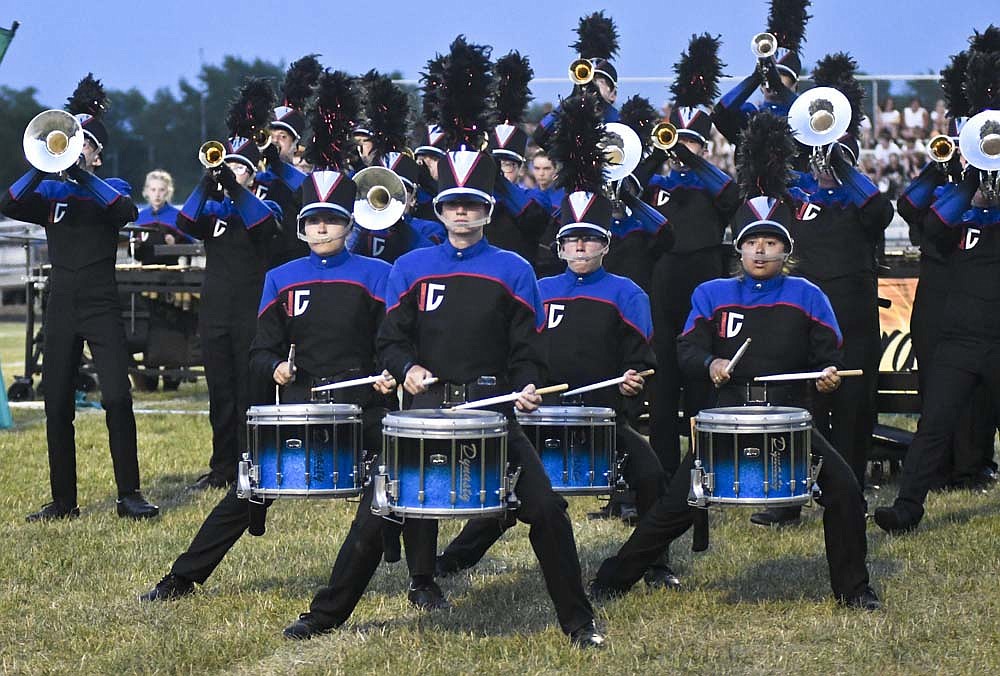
pixel 441 464
pixel 752 455
pixel 576 445
pixel 303 451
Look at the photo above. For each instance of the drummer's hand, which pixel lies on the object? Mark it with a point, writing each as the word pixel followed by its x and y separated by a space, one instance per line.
pixel 633 383
pixel 527 400
pixel 169 239
pixel 829 381
pixel 387 385
pixel 717 371
pixel 283 373
pixel 415 377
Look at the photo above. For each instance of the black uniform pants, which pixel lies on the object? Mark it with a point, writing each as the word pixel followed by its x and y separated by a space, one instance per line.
pixel 675 277
pixel 641 470
pixel 227 522
pixel 843 527
pixel 84 307
pixel 847 416
pixel 971 446
pixel 960 364
pixel 226 335
pixel 551 537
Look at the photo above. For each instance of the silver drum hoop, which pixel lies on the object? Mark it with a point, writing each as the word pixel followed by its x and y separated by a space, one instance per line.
pixel 302 414
pixel 568 415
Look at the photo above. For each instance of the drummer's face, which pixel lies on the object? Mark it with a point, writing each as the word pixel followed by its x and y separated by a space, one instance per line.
pixel 762 256
pixel 328 227
pixel 156 192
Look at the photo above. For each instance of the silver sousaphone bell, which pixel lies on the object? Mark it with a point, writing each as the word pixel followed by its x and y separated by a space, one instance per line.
pixel 980 140
pixel 819 116
pixel 381 198
pixel 53 141
pixel 622 151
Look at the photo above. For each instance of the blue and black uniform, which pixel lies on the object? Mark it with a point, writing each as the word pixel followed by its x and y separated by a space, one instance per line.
pixel 520 220
pixel 969 348
pixel 733 111
pixel 972 444
pixel 165 222
pixel 407 234
pixel 82 218
pixel 793 329
pixel 280 183
pixel 837 233
pixel 236 232
pixel 464 314
pixel 597 327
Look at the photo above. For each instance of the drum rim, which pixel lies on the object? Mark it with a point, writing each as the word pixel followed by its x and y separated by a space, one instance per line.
pixel 418 420
pixel 303 413
pixel 567 414
pixel 752 416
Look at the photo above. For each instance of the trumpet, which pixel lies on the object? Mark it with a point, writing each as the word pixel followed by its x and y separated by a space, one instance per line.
pixel 941 148
pixel 581 71
pixel 262 138
pixel 764 46
pixel 53 141
pixel 664 136
pixel 211 154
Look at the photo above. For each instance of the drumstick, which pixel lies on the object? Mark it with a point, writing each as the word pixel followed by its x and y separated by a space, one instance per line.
pixel 291 367
pixel 605 383
pixel 367 380
pixel 806 376
pixel 736 357
pixel 504 398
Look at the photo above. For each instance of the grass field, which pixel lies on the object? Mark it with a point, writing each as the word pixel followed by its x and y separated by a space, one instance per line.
pixel 756 602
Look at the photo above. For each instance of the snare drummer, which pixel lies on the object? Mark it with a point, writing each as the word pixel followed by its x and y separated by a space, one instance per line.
pixel 459 311
pixel 598 326
pixel 793 329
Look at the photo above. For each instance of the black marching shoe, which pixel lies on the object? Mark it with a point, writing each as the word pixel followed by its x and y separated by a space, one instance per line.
pixel 777 516
pixel 427 595
pixel 209 480
pixel 659 576
pixel 135 506
pixel 866 600
pixel 588 636
pixel 445 565
pixel 306 627
pixel 895 521
pixel 52 511
pixel 170 587
pixel 598 592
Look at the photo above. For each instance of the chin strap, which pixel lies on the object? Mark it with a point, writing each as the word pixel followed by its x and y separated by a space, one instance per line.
pixel 783 257
pixel 583 258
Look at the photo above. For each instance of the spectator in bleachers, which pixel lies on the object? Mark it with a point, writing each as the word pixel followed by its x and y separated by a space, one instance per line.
pixel 916 121
pixel 894 177
pixel 939 118
pixel 889 118
pixel 885 147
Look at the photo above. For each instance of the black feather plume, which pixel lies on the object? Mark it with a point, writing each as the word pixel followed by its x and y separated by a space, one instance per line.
pixel 597 37
pixel 982 80
pixel 512 74
pixel 251 109
pixel 386 110
pixel 953 85
pixel 787 22
pixel 638 113
pixel 576 144
pixel 431 80
pixel 987 41
pixel 299 81
pixel 764 156
pixel 839 71
pixel 467 77
pixel 332 117
pixel 697 73
pixel 88 97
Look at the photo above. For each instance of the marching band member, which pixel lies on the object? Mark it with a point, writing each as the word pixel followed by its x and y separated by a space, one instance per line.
pixel 963 220
pixel 777 74
pixel 82 216
pixel 476 333
pixel 794 328
pixel 699 200
pixel 384 134
pixel 236 230
pixel 281 180
pixel 839 219
pixel 161 215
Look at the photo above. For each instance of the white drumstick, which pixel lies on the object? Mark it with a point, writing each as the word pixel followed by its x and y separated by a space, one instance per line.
pixel 604 383
pixel 367 380
pixel 812 375
pixel 504 398
pixel 736 357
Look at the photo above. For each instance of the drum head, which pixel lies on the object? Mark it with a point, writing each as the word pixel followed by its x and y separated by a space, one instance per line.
pixel 567 415
pixel 443 422
pixel 752 418
pixel 302 413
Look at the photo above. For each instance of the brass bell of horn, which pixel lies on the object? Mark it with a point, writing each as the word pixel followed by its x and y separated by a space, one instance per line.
pixel 819 116
pixel 764 45
pixel 211 154
pixel 53 141
pixel 979 140
pixel 381 198
pixel 941 148
pixel 664 136
pixel 581 71
pixel 622 150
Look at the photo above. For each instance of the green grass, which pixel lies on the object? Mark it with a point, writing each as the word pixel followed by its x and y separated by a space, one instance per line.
pixel 756 602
